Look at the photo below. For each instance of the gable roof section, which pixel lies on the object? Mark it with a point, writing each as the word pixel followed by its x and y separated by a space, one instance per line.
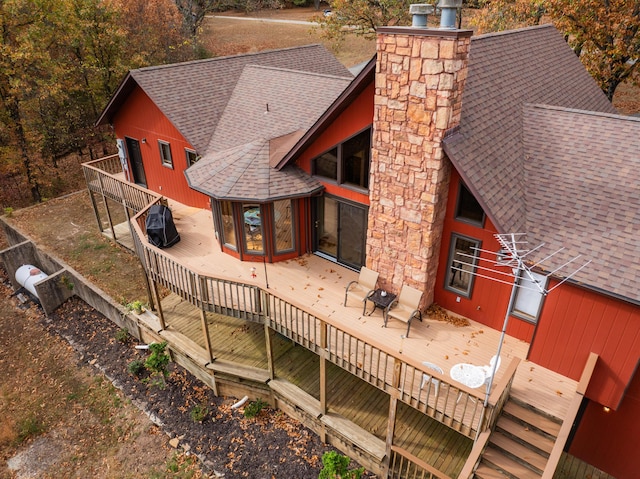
pixel 268 106
pixel 581 177
pixel 269 102
pixel 506 71
pixel 342 102
pixel 192 95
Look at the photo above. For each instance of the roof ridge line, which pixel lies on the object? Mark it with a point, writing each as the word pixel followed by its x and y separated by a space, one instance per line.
pixel 225 57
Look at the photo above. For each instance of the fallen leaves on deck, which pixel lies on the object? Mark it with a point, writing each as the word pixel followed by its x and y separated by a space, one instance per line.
pixel 440 314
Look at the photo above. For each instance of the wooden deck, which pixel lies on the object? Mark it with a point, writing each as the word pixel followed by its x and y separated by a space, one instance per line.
pixel 316 284
pixel 366 406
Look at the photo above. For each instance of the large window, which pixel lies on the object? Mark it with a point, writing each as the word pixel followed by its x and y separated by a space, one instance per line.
pixel 228 231
pixel 528 301
pixel 467 208
pixel 463 258
pixel 283 225
pixel 252 228
pixel 165 154
pixel 348 163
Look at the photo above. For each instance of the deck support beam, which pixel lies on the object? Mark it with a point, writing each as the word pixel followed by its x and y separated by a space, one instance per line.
pixel 155 294
pixel 268 337
pixel 391 426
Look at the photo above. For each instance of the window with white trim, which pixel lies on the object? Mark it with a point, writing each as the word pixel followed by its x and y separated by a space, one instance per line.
pixel 528 301
pixel 165 154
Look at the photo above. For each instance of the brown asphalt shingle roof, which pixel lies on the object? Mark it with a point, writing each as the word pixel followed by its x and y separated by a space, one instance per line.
pixel 192 95
pixel 545 153
pixel 244 173
pixel 506 71
pixel 266 104
pixel 582 190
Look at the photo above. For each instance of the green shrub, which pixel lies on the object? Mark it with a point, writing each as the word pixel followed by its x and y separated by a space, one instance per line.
pixel 158 360
pixel 199 413
pixel 122 335
pixel 254 408
pixel 336 466
pixel 136 367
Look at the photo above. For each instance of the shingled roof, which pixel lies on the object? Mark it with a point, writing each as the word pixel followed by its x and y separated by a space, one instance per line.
pixel 581 176
pixel 192 95
pixel 506 71
pixel 545 153
pixel 266 104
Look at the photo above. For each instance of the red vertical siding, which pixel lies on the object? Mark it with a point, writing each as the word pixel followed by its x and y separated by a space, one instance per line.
pixel 489 299
pixel 575 322
pixel 355 118
pixel 140 118
pixel 609 440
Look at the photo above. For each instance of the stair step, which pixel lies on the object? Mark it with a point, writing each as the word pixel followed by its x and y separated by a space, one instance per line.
pixel 504 463
pixel 532 417
pixel 484 471
pixel 522 453
pixel 526 434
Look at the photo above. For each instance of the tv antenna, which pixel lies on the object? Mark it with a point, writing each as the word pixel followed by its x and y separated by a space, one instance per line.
pixel 514 265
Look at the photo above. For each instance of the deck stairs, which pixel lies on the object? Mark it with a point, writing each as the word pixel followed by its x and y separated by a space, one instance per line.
pixel 520 445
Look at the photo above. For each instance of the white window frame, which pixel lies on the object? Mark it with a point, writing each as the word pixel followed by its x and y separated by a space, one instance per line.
pixel 528 300
pixel 165 153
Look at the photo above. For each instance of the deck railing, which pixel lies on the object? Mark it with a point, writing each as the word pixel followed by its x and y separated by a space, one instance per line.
pixel 452 404
pixel 404 465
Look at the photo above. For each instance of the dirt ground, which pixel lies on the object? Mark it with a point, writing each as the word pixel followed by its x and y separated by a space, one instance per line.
pixel 66 419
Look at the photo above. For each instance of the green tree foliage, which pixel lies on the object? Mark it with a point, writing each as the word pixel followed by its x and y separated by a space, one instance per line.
pixel 60 61
pixel 362 17
pixel 604 33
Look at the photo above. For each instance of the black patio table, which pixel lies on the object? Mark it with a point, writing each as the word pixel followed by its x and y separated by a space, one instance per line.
pixel 381 300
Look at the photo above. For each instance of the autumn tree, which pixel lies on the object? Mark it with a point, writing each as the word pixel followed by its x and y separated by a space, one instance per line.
pixel 193 14
pixel 60 61
pixel 604 33
pixel 362 17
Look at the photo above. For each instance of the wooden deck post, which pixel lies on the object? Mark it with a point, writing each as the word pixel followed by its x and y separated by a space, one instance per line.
pixel 106 207
pixel 205 332
pixel 268 335
pixel 391 426
pixel 154 287
pixel 323 376
pixel 96 212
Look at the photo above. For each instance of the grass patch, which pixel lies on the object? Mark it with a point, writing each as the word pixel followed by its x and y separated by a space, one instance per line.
pixel 28 427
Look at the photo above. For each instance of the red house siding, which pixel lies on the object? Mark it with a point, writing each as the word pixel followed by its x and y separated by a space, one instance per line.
pixel 575 322
pixel 355 118
pixel 140 118
pixel 489 299
pixel 606 439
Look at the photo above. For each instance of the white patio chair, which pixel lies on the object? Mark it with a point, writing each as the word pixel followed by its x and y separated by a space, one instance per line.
pixel 426 377
pixel 488 370
pixel 363 287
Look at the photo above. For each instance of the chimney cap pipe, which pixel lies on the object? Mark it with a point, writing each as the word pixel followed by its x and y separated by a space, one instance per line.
pixel 450 4
pixel 449 10
pixel 419 12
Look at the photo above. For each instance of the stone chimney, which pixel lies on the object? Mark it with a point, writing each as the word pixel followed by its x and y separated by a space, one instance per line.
pixel 420 75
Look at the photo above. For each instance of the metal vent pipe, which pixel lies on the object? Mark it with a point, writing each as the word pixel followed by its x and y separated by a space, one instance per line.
pixel 449 10
pixel 419 13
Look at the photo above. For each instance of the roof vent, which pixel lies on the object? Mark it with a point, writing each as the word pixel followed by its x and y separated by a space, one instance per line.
pixel 448 17
pixel 419 12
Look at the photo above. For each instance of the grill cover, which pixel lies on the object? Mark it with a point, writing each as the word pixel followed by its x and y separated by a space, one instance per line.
pixel 161 230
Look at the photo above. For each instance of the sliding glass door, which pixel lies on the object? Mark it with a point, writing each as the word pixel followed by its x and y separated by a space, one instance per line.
pixel 340 230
